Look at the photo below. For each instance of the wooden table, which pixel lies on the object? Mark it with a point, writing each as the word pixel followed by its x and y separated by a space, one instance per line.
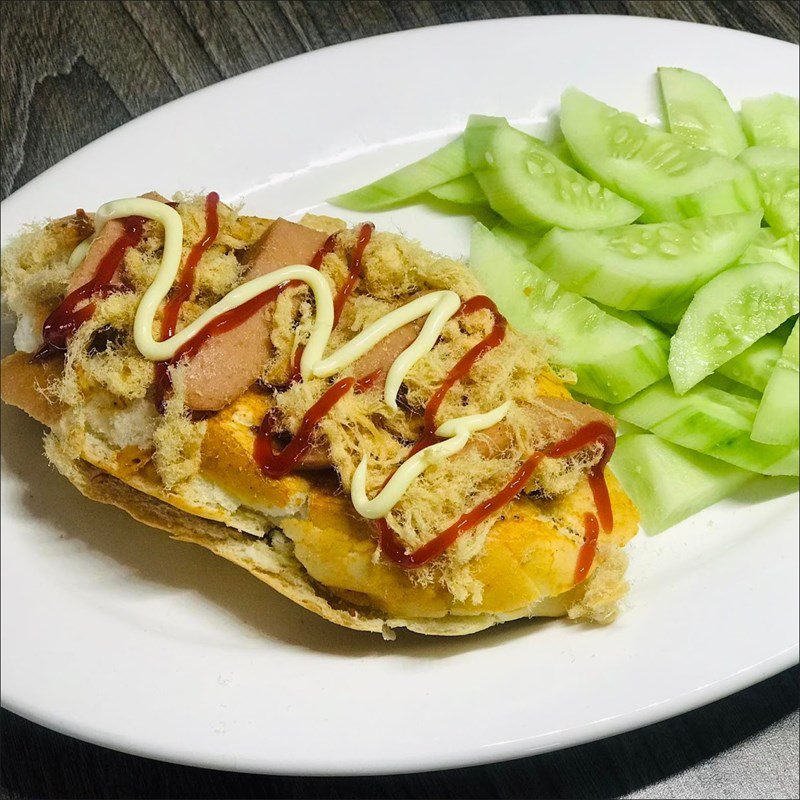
pixel 72 71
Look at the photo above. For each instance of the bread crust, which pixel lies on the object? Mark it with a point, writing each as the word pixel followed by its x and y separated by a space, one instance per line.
pixel 282 573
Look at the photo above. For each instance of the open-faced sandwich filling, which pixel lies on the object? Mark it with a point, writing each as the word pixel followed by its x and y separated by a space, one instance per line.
pixel 338 410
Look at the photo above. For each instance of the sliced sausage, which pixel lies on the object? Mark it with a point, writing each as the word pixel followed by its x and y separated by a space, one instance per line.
pixel 86 270
pixel 112 231
pixel 378 359
pixel 500 437
pixel 229 363
pixel 381 357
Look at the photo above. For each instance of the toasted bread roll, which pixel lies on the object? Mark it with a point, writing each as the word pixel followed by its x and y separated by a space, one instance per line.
pixel 299 532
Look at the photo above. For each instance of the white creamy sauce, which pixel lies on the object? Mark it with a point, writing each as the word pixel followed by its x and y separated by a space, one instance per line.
pixel 455 432
pixel 438 306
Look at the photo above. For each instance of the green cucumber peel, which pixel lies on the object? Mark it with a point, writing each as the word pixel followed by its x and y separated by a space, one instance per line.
pixel 708 420
pixel 778 417
pixel 445 164
pixel 464 190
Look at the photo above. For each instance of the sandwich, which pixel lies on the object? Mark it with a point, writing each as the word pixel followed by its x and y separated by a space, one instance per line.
pixel 335 409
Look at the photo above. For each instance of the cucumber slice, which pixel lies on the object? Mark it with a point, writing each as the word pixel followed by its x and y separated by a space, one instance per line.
pixel 777 173
pixel 646 266
pixel 611 359
pixel 698 112
pixel 519 241
pixel 650 167
pixel 727 315
pixel 560 149
pixel 725 197
pixel 667 317
pixel 778 418
pixel 464 190
pixel 642 325
pixel 732 387
pixel 772 121
pixel 668 483
pixel 768 247
pixel 527 185
pixel 708 420
pixel 752 367
pixel 443 165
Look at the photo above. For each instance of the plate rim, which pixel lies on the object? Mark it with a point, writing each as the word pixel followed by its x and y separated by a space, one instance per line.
pixel 520 748
pixel 489 754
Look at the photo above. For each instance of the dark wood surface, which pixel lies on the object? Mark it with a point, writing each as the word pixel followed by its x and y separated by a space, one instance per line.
pixel 122 59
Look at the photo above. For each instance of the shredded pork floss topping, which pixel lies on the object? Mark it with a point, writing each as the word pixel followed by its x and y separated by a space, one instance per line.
pixel 396 271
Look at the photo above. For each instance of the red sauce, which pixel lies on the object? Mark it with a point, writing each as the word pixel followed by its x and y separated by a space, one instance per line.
pixel 597 483
pixel 426 440
pixel 598 432
pixel 75 308
pixel 367 382
pixel 182 291
pixel 327 247
pixel 231 319
pixel 295 376
pixel 277 465
pixel 354 271
pixel 354 274
pixel 467 361
pixel 237 316
pixel 588 549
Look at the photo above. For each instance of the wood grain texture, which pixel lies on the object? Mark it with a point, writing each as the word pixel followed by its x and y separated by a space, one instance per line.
pixel 71 71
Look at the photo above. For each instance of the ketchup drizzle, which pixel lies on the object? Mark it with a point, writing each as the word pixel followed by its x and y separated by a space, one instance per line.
pixel 327 247
pixel 278 464
pixel 467 361
pixel 354 271
pixel 74 310
pixel 588 548
pixel 231 319
pixel 181 292
pixel 367 382
pixel 598 432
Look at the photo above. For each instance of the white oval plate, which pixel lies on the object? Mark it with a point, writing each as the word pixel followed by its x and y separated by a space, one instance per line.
pixel 115 634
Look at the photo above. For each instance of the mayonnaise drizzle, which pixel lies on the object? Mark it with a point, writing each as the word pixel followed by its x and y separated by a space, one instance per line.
pixel 438 306
pixel 143 322
pixel 456 433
